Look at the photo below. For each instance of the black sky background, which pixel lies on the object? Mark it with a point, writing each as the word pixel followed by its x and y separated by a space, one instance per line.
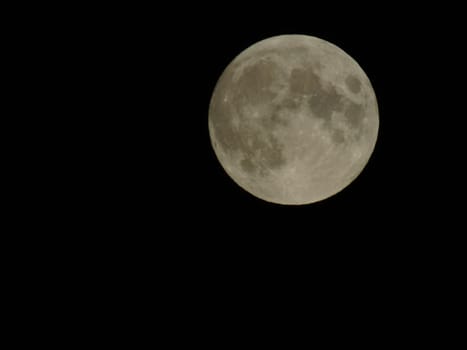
pixel 393 229
pixel 167 198
pixel 399 54
pixel 162 95
pixel 137 120
pixel 132 210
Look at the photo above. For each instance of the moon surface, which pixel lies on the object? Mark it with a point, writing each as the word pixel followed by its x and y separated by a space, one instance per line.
pixel 293 119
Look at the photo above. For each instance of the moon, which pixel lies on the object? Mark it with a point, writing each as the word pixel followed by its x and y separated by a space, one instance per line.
pixel 293 119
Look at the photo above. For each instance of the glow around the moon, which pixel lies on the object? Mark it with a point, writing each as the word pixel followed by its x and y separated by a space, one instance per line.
pixel 293 119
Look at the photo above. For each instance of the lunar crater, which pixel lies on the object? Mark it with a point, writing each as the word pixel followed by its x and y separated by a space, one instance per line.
pixel 353 83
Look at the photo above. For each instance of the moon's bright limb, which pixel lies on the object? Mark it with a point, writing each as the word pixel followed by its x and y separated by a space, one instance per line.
pixel 293 119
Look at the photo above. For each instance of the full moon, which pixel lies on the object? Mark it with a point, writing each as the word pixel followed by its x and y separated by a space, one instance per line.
pixel 293 119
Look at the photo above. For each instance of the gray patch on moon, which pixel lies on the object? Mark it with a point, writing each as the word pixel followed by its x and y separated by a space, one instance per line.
pixel 247 165
pixel 253 86
pixel 354 114
pixel 353 83
pixel 272 154
pixel 324 101
pixel 223 127
pixel 259 151
pixel 274 120
pixel 303 81
pixel 261 155
pixel 252 141
pixel 338 136
pixel 289 103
